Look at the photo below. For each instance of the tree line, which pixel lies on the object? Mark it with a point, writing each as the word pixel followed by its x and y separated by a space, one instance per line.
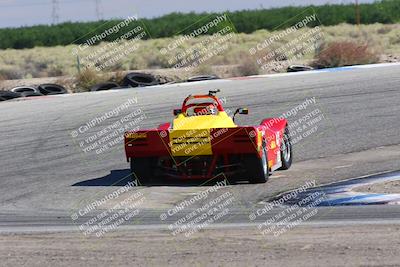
pixel 248 21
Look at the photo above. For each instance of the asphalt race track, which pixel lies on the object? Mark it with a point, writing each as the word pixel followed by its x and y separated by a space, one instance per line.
pixel 45 175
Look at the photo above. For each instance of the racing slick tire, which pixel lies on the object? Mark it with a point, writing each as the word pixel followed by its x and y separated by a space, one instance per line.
pixel 257 168
pixel 286 151
pixel 142 170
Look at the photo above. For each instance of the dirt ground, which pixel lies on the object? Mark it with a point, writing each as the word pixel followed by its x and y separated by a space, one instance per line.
pixel 301 246
pixel 384 188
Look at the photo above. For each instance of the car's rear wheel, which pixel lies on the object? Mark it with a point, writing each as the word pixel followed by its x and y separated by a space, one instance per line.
pixel 142 170
pixel 257 168
pixel 286 151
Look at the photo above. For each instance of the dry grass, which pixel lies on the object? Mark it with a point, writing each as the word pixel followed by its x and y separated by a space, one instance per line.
pixel 248 66
pixel 55 61
pixel 117 76
pixel 1 80
pixel 338 54
pixel 204 69
pixel 87 78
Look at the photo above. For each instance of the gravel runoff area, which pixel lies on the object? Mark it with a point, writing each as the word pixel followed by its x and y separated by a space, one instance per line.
pixel 383 188
pixel 300 246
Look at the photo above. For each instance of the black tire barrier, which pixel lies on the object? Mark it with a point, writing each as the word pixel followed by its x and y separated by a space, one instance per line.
pixel 30 94
pixel 22 89
pixel 51 89
pixel 137 79
pixel 296 68
pixel 203 78
pixel 7 95
pixel 104 86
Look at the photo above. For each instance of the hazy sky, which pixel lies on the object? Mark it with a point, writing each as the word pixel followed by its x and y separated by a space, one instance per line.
pixel 14 13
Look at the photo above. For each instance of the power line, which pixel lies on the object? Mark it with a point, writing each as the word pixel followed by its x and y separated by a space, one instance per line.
pixel 99 13
pixel 40 3
pixel 55 11
pixel 358 15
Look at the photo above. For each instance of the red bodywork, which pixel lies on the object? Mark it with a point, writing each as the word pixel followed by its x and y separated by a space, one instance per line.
pixel 229 145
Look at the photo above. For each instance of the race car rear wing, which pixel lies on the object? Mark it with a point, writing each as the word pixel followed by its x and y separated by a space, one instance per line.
pixel 190 143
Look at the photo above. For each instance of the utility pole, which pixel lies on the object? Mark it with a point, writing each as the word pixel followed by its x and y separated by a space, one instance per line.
pixel 99 13
pixel 55 12
pixel 358 15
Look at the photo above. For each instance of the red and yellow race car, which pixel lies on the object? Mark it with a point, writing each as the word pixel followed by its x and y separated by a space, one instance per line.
pixel 203 142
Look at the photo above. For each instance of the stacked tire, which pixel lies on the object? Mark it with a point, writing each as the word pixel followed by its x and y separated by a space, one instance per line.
pixel 137 79
pixel 202 78
pixel 25 90
pixel 133 79
pixel 7 95
pixel 104 86
pixel 51 89
pixel 297 68
pixel 32 91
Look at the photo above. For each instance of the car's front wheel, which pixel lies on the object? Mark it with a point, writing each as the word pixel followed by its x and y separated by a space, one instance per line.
pixel 286 151
pixel 257 168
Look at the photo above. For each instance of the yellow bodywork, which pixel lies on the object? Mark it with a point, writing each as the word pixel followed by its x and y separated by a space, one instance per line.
pixel 191 136
pixel 221 120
